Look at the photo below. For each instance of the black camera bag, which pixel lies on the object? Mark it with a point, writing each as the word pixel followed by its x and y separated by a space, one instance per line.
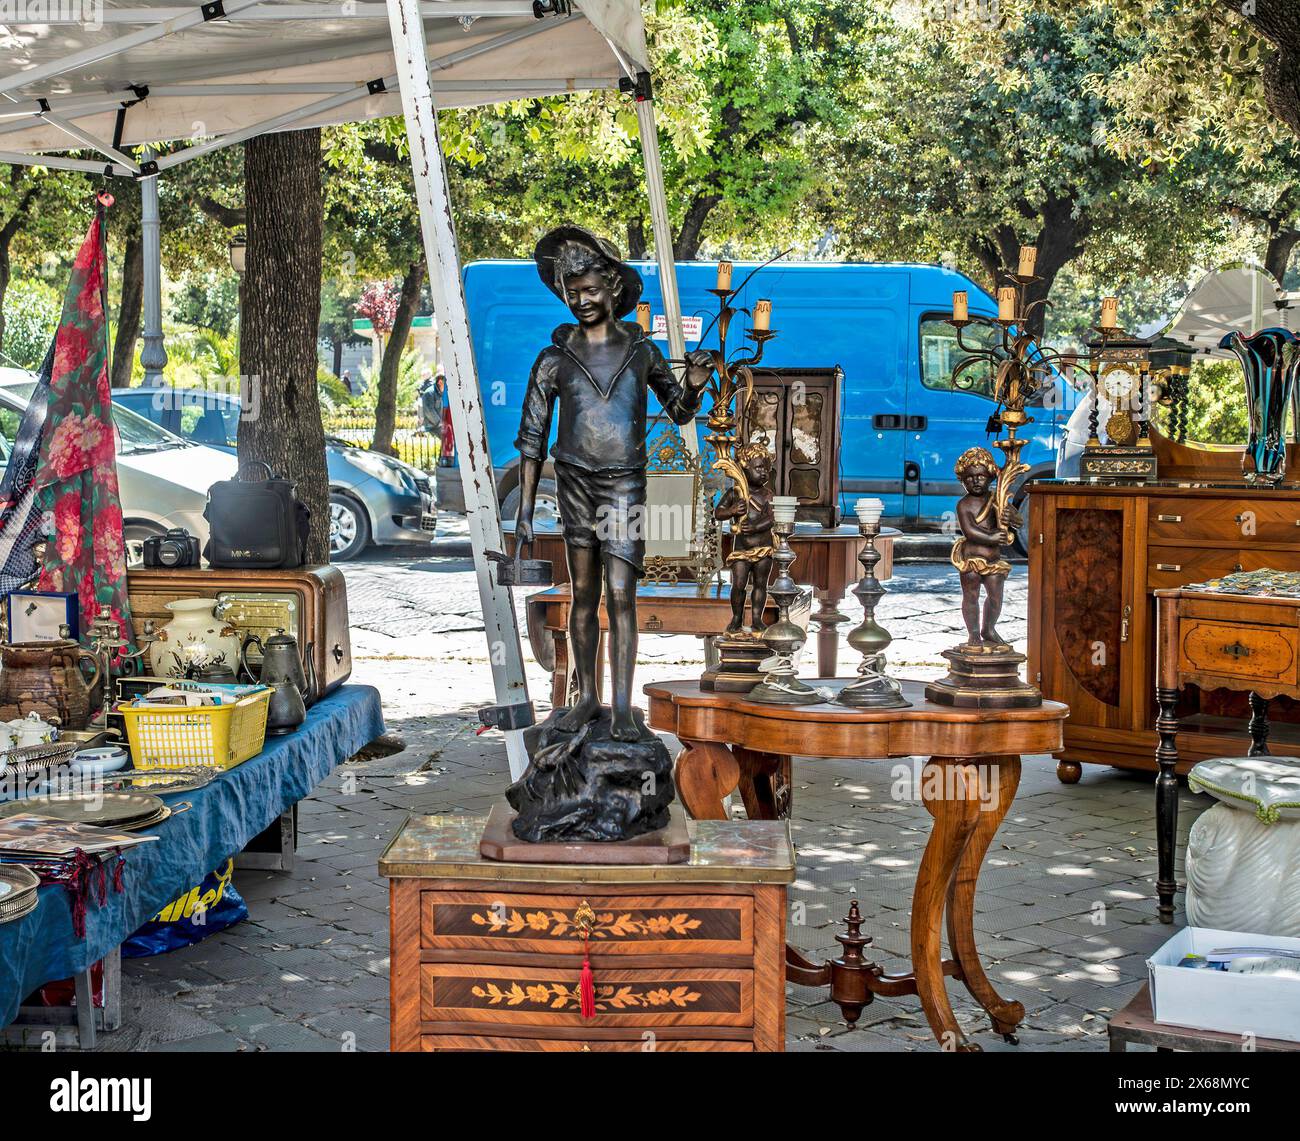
pixel 256 524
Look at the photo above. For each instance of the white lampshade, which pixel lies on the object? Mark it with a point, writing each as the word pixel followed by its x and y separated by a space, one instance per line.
pixel 238 251
pixel 869 510
pixel 784 508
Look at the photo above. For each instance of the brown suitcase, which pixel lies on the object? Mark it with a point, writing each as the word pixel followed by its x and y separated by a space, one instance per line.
pixel 311 603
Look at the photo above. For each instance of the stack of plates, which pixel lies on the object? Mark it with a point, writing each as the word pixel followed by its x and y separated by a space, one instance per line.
pixel 117 811
pixel 160 782
pixel 17 891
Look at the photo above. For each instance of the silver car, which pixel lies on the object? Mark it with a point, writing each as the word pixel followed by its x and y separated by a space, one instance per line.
pixel 163 480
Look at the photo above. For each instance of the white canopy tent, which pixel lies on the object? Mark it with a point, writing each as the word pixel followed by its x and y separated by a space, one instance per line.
pixel 111 75
pixel 1241 297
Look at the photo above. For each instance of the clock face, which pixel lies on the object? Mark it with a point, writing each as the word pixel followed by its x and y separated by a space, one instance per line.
pixel 1118 383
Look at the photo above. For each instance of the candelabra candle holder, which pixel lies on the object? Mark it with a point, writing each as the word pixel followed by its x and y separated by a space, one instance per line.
pixel 108 645
pixel 874 688
pixel 784 638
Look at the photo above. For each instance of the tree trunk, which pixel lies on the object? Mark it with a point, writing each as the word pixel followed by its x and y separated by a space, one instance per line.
pixel 277 334
pixel 128 313
pixel 1278 254
pixel 687 244
pixel 390 366
pixel 636 239
pixel 1279 22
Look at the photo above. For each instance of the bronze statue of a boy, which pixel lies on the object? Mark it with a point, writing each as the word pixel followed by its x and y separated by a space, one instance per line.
pixel 600 370
pixel 750 512
pixel 977 553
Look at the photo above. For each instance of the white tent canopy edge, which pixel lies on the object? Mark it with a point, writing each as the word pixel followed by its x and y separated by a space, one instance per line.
pixel 89 80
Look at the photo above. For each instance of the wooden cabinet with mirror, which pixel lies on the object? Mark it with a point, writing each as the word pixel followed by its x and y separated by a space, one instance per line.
pixel 798 409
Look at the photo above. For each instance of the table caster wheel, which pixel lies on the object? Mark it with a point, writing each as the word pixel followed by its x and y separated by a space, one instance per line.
pixel 1068 772
pixel 1011 1038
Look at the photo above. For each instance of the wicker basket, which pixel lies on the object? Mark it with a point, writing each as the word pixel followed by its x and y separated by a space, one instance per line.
pixel 218 736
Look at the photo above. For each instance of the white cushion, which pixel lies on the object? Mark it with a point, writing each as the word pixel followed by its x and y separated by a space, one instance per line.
pixel 1267 786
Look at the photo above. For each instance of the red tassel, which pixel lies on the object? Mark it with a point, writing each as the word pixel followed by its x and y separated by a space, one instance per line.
pixel 587 986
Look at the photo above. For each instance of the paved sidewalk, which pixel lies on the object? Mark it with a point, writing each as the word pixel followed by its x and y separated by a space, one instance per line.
pixel 1066 910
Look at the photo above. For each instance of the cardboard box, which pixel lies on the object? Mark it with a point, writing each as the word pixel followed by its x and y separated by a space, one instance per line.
pixel 1219 1000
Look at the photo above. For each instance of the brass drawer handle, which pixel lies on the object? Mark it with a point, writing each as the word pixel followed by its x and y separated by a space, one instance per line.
pixel 1169 566
pixel 1236 566
pixel 1237 650
pixel 1179 519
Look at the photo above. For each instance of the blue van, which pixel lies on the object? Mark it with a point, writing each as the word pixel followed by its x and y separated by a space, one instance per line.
pixel 903 422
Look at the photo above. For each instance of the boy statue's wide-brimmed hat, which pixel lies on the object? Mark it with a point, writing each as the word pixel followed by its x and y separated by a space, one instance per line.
pixel 549 247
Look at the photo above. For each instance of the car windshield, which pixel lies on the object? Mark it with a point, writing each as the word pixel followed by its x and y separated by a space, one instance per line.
pixel 135 435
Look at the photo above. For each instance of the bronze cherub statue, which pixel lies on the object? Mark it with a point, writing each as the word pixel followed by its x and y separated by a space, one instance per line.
pixel 748 505
pixel 977 552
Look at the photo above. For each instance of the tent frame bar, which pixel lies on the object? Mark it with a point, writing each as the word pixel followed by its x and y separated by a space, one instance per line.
pixel 361 10
pixel 349 93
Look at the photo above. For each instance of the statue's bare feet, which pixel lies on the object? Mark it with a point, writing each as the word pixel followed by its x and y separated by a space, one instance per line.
pixel 993 640
pixel 623 726
pixel 586 709
pixel 733 627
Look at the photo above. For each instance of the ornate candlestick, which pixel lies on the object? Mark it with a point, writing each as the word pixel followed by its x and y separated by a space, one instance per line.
pixel 110 647
pixel 874 688
pixel 784 638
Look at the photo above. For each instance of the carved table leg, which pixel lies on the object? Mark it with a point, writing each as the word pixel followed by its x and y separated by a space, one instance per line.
pixel 764 783
pixel 999 778
pixel 1258 726
pixel 1166 800
pixel 828 619
pixel 955 818
pixel 706 774
pixel 560 676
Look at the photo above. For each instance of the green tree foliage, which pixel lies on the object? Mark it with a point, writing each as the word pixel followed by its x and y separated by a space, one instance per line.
pixel 31 314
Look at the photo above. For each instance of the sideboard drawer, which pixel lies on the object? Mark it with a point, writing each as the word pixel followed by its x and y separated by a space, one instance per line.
pixel 1234 521
pixel 548 996
pixel 627 925
pixel 1266 653
pixel 635 1043
pixel 1178 566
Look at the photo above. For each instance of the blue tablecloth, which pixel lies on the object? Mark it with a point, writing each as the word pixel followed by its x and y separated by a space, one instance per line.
pixel 226 815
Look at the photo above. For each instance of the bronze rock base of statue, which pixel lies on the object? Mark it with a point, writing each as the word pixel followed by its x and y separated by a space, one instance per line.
pixel 984 677
pixel 586 786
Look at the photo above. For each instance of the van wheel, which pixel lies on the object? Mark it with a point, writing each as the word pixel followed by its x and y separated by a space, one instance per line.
pixel 546 508
pixel 349 527
pixel 1020 536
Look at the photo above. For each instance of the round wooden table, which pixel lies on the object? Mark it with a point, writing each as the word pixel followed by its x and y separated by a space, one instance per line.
pixel 730 742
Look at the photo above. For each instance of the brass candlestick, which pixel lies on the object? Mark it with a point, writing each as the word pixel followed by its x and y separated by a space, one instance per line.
pixel 109 646
pixel 784 638
pixel 874 689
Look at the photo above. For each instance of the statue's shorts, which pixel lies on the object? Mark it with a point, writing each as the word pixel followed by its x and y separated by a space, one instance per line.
pixel 605 510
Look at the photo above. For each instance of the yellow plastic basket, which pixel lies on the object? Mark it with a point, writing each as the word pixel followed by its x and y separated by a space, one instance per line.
pixel 219 736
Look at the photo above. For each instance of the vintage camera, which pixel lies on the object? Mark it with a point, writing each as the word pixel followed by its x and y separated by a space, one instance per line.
pixel 177 548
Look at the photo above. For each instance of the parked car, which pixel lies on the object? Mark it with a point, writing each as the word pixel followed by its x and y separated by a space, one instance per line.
pixel 373 497
pixel 163 480
pixel 903 422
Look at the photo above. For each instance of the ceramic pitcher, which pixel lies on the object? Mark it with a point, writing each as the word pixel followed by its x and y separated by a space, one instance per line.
pixel 194 641
pixel 47 679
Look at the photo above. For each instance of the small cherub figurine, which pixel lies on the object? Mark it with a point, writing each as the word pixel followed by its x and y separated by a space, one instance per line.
pixel 752 519
pixel 977 553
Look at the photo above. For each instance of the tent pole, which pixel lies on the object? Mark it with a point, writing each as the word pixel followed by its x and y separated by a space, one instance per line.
pixel 505 654
pixel 153 356
pixel 654 182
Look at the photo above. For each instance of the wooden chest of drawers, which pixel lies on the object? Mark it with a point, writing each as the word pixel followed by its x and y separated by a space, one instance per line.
pixel 488 956
pixel 1097 555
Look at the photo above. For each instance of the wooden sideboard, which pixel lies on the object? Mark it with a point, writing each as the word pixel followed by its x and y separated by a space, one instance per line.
pixel 1097 553
pixel 684 957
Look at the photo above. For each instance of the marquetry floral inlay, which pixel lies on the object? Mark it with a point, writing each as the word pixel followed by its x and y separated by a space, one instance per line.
pixel 558 924
pixel 560 996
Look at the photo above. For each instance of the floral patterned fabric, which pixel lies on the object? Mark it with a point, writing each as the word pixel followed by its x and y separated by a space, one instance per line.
pixel 76 475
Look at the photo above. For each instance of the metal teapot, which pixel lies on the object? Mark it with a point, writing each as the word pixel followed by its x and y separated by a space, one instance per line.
pixel 282 671
pixel 280 660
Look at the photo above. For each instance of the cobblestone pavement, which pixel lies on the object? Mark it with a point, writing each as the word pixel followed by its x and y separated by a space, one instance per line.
pixel 1065 912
